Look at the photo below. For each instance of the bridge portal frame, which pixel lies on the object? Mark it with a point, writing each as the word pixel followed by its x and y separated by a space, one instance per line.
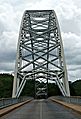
pixel 40 54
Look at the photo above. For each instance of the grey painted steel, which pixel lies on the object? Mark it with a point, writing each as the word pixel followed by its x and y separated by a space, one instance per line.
pixel 5 102
pixel 40 54
pixel 74 100
pixel 42 109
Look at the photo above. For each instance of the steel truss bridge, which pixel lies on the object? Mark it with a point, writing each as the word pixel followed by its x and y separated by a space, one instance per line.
pixel 40 54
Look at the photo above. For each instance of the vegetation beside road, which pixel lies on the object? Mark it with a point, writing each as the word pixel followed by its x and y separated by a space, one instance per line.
pixel 6 84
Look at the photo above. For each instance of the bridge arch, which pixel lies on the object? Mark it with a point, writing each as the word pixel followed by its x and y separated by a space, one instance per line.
pixel 40 53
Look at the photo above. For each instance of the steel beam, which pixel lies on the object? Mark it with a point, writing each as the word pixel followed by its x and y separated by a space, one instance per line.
pixel 40 54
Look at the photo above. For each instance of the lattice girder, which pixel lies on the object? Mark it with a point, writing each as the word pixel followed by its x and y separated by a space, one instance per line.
pixel 40 54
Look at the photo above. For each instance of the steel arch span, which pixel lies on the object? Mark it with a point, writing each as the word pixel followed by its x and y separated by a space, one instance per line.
pixel 40 54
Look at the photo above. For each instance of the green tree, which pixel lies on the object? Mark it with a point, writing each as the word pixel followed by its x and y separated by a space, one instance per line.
pixel 6 82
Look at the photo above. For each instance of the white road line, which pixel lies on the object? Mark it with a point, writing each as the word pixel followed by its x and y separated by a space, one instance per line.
pixel 41 110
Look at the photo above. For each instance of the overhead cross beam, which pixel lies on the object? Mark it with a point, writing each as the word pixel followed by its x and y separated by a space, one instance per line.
pixel 40 54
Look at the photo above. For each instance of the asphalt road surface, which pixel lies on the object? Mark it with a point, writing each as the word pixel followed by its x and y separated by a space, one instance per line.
pixel 42 109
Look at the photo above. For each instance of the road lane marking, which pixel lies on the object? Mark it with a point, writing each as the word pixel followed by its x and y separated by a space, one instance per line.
pixel 40 110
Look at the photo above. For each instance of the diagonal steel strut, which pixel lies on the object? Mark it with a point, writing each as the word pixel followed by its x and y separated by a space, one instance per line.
pixel 40 54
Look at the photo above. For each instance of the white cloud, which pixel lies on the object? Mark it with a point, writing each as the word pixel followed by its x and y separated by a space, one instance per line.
pixel 8 43
pixel 69 16
pixel 7 67
pixel 72 46
pixel 7 18
pixel 8 40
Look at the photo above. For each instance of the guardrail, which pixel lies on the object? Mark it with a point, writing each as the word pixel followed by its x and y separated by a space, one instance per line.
pixel 74 100
pixel 4 102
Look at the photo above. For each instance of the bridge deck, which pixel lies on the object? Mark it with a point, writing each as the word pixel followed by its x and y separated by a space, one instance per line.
pixel 42 109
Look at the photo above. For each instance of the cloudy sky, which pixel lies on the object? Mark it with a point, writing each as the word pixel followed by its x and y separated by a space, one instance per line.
pixel 69 17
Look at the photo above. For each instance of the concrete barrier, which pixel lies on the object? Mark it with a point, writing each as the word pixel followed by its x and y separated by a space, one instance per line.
pixel 10 108
pixel 74 107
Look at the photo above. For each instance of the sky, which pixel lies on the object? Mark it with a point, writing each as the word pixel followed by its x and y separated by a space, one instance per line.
pixel 69 16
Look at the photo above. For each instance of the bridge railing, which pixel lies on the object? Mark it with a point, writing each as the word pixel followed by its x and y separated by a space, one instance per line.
pixel 4 102
pixel 72 99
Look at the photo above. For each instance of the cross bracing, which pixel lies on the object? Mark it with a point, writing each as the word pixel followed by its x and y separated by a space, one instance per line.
pixel 40 54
